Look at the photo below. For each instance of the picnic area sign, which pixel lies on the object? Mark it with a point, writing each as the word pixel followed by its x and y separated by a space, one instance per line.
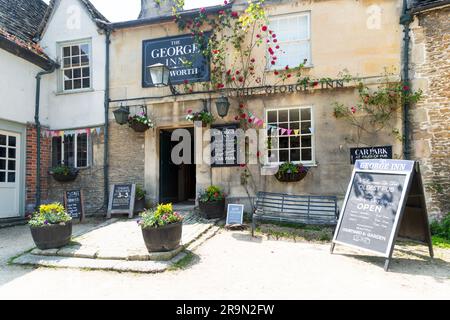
pixel 73 202
pixel 366 153
pixel 385 200
pixel 121 199
pixel 235 214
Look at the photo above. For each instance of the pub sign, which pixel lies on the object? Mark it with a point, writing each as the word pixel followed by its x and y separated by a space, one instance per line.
pixel 181 54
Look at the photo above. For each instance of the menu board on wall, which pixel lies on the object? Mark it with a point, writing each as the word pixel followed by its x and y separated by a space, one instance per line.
pixel 73 201
pixel 379 194
pixel 121 199
pixel 224 146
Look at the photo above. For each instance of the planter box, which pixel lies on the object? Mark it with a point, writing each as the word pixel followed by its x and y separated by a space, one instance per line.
pixel 52 236
pixel 139 127
pixel 212 209
pixel 290 177
pixel 163 239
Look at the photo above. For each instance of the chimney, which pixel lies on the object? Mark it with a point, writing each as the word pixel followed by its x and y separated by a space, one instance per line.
pixel 156 8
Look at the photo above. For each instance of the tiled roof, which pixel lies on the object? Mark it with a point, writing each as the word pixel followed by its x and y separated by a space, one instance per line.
pixel 94 13
pixel 21 18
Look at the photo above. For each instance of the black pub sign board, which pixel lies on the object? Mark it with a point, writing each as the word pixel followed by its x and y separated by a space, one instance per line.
pixel 121 199
pixel 73 201
pixel 224 145
pixel 181 54
pixel 385 200
pixel 381 152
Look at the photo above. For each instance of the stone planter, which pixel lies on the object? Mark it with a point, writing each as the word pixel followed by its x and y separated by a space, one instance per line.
pixel 52 236
pixel 139 127
pixel 212 209
pixel 139 205
pixel 163 239
pixel 290 177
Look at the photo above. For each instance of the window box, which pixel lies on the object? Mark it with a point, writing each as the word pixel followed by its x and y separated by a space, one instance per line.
pixel 290 177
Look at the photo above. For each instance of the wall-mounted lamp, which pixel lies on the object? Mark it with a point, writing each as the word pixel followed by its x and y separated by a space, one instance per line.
pixel 223 106
pixel 122 115
pixel 160 75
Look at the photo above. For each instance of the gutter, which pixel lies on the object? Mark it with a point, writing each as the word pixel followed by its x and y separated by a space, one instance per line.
pixel 108 31
pixel 37 122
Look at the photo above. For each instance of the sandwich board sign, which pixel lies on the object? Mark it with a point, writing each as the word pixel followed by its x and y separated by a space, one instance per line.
pixel 385 200
pixel 121 199
pixel 235 214
pixel 73 201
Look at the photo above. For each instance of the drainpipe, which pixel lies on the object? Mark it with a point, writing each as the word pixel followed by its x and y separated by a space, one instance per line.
pixel 405 20
pixel 38 131
pixel 106 138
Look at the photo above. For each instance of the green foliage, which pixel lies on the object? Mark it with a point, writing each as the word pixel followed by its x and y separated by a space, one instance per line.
pixel 203 116
pixel 162 216
pixel 141 118
pixel 140 193
pixel 441 229
pixel 49 214
pixel 212 193
pixel 441 242
pixel 289 167
pixel 64 170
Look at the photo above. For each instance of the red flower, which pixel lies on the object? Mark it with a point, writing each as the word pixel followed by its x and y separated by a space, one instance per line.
pixel 273 62
pixel 234 14
pixel 238 72
pixel 274 35
pixel 286 68
pixel 221 12
pixel 253 60
pixel 405 88
pixel 315 83
pixel 236 118
pixel 225 2
pixel 202 10
pixel 289 75
pixel 241 106
pixel 220 85
pixel 250 120
pixel 258 36
pixel 277 47
pixel 228 72
pixel 233 79
pixel 241 79
pixel 276 73
pixel 271 50
pixel 186 81
pixel 243 165
pixel 275 40
pixel 243 116
pixel 353 109
pixel 189 111
pixel 264 28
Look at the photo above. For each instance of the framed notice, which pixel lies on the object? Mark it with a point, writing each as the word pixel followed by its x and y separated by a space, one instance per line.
pixel 74 204
pixel 384 200
pixel 382 152
pixel 235 214
pixel 121 199
pixel 224 145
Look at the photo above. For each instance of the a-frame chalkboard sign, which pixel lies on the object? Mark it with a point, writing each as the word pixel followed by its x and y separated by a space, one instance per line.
pixel 385 200
pixel 121 199
pixel 74 204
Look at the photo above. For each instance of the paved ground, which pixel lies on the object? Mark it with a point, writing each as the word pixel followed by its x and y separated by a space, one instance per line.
pixel 231 265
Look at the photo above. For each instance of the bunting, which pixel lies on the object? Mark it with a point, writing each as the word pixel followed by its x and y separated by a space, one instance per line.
pixel 61 133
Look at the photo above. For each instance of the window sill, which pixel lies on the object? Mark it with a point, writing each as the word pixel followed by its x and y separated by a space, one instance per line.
pixel 276 165
pixel 308 66
pixel 62 93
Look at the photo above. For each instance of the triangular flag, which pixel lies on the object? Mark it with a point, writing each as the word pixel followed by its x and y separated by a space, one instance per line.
pixel 289 132
pixel 296 132
pixel 283 131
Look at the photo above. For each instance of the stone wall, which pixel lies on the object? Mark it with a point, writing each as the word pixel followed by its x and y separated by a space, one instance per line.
pixel 431 116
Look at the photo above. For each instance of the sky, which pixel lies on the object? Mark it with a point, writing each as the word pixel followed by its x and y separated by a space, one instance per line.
pixel 122 10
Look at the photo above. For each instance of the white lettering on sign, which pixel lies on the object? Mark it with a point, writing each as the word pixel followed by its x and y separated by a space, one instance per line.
pixel 369 207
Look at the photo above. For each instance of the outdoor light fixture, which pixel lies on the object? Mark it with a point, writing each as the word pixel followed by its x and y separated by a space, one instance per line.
pixel 160 75
pixel 223 106
pixel 122 115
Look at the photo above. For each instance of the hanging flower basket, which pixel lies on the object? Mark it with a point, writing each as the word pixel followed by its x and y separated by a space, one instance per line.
pixel 139 126
pixel 64 173
pixel 140 122
pixel 289 172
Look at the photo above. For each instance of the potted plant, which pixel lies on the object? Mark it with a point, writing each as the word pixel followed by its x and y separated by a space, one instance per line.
pixel 204 116
pixel 212 203
pixel 64 173
pixel 161 228
pixel 139 202
pixel 291 172
pixel 140 122
pixel 51 226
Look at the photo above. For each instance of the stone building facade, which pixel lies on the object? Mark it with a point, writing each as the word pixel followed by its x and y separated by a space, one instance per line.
pixel 430 118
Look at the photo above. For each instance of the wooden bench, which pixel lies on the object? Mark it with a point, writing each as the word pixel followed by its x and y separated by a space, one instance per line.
pixel 312 210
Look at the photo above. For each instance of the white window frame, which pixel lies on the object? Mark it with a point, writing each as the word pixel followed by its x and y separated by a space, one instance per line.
pixel 310 163
pixel 75 146
pixel 60 48
pixel 309 63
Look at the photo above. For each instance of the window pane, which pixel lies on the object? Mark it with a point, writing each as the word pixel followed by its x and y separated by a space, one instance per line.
pixel 86 72
pixel 85 49
pixel 2 164
pixel 82 150
pixel 11 177
pixel 283 116
pixel 284 126
pixel 76 73
pixel 68 85
pixel 272 117
pixel 66 52
pixel 294 126
pixel 306 141
pixel 295 155
pixel 69 156
pixel 2 152
pixel 284 143
pixel 67 63
pixel 2 140
pixel 295 142
pixel 12 141
pixel 84 60
pixel 273 156
pixel 306 114
pixel 2 176
pixel 77 84
pixel 56 151
pixel 86 83
pixel 68 74
pixel 306 127
pixel 12 165
pixel 293 115
pixel 75 50
pixel 284 155
pixel 306 155
pixel 75 61
pixel 11 153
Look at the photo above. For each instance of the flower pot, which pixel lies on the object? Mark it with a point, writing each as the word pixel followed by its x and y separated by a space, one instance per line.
pixel 212 209
pixel 163 239
pixel 65 177
pixel 139 127
pixel 291 177
pixel 139 205
pixel 52 236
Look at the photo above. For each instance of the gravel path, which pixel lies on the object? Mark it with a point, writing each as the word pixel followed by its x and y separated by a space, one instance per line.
pixel 232 265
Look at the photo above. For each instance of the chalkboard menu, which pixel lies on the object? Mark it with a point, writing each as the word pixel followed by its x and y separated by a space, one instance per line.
pixel 375 203
pixel 73 201
pixel 121 199
pixel 235 214
pixel 224 146
pixel 382 152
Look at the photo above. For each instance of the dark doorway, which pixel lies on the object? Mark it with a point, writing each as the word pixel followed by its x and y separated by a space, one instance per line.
pixel 176 182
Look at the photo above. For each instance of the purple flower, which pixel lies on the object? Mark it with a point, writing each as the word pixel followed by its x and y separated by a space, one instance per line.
pixel 45 222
